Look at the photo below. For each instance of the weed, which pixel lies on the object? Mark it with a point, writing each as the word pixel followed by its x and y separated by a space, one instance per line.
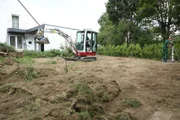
pixel 84 90
pixel 85 115
pixel 28 74
pixel 123 116
pixel 132 102
pixel 6 87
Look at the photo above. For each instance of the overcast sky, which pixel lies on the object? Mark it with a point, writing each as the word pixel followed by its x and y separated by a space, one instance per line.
pixel 78 14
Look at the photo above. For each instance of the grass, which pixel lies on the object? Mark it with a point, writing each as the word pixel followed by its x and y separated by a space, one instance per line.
pixel 132 102
pixel 123 116
pixel 83 89
pixel 85 115
pixel 53 62
pixel 4 48
pixel 50 53
pixel 1 59
pixel 6 87
pixel 24 60
pixel 28 73
pixel 105 97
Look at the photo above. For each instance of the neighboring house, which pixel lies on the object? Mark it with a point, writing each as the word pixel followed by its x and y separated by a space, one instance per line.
pixel 18 29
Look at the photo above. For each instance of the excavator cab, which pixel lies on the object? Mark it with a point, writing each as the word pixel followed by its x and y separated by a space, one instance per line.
pixel 86 44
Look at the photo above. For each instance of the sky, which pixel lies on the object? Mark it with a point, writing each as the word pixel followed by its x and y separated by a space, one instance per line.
pixel 79 14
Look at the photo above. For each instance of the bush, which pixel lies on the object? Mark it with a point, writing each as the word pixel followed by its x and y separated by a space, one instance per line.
pixel 50 53
pixel 151 51
pixel 4 48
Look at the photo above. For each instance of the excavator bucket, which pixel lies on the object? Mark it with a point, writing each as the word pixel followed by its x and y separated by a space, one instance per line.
pixel 41 38
pixel 43 41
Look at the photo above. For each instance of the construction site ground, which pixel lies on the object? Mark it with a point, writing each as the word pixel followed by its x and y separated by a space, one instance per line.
pixel 140 89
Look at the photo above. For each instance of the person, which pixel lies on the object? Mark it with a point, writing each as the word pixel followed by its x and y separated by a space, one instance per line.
pixel 167 44
pixel 88 47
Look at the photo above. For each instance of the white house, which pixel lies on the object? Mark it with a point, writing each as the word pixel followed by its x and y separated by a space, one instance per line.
pixel 18 29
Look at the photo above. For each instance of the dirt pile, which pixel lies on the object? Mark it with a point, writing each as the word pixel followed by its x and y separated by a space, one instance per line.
pixel 110 88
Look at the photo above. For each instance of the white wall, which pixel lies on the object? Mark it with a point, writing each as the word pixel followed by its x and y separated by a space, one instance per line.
pixel 7 9
pixel 30 43
pixel 3 19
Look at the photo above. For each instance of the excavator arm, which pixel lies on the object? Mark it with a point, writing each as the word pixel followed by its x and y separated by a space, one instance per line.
pixel 43 40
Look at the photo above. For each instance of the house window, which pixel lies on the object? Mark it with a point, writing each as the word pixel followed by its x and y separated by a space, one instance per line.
pixel 19 42
pixel 13 41
pixel 15 21
pixel 16 41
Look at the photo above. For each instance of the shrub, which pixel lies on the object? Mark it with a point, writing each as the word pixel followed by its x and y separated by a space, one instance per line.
pixel 4 48
pixel 150 51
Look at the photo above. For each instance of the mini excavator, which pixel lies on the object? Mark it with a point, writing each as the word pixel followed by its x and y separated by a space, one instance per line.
pixel 85 45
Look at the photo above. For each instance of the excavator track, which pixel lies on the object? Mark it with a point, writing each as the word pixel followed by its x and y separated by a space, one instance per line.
pixel 84 59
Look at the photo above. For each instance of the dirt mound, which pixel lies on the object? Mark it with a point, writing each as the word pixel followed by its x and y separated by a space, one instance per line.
pixel 86 98
pixel 110 88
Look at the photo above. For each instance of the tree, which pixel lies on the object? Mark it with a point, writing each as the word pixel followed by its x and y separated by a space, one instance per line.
pixel 162 13
pixel 122 11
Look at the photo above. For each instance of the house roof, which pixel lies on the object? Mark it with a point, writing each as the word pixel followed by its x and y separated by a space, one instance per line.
pixel 31 30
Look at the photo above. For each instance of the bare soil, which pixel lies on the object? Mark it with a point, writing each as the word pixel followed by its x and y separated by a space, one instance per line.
pixel 50 94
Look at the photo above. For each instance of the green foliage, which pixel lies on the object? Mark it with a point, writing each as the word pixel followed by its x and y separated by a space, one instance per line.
pixel 28 73
pixel 124 31
pixel 121 9
pixel 151 51
pixel 138 21
pixel 4 48
pixel 177 50
pixel 132 103
pixel 165 12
